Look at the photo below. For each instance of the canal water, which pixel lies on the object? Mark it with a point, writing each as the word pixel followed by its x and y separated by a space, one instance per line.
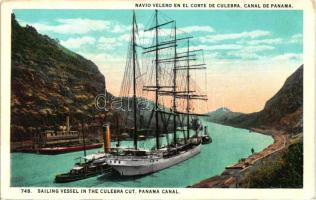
pixel 228 146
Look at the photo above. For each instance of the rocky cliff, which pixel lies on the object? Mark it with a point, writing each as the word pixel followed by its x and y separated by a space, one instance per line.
pixel 285 108
pixel 283 111
pixel 48 82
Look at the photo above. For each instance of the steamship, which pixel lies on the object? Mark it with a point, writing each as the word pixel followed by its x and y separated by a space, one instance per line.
pixel 61 141
pixel 169 61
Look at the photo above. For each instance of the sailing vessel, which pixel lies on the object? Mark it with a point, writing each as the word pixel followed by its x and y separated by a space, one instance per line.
pixel 170 63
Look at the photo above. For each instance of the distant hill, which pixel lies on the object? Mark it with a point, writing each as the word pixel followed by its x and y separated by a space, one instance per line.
pixel 48 82
pixel 222 115
pixel 283 111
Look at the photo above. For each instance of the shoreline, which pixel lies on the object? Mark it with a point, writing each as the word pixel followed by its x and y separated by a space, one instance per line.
pixel 231 175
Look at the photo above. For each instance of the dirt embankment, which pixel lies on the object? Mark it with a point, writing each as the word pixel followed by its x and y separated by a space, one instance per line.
pixel 233 175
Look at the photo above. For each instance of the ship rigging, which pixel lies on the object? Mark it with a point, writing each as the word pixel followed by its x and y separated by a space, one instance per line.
pixel 168 63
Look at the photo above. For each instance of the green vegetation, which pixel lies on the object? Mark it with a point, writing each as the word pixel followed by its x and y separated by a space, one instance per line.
pixel 285 172
pixel 49 82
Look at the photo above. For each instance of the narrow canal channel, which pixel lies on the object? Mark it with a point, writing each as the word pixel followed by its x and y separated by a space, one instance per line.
pixel 228 146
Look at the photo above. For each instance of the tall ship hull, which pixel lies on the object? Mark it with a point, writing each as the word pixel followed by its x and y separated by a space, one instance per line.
pixel 147 165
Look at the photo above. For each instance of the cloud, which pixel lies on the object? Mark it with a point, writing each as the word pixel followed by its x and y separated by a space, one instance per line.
pixel 213 47
pixel 166 34
pixel 227 51
pixel 297 38
pixel 147 36
pixel 257 48
pixel 265 41
pixel 250 52
pixel 75 43
pixel 251 48
pixel 71 26
pixel 289 56
pixel 103 58
pixel 191 29
pixel 105 43
pixel 109 43
pixel 120 28
pixel 124 37
pixel 232 36
pixel 222 47
pixel 80 26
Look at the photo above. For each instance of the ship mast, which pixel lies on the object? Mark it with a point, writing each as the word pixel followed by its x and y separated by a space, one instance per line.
pixel 189 94
pixel 157 87
pixel 160 88
pixel 134 81
pixel 175 86
pixel 157 80
pixel 188 88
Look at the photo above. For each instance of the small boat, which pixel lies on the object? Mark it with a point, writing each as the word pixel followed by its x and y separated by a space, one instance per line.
pixel 141 137
pixel 93 165
pixel 206 139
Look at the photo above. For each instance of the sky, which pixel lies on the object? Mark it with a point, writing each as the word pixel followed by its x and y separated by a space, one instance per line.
pixel 249 53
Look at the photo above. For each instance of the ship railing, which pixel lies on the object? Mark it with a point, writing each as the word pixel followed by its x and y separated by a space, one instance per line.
pixel 123 157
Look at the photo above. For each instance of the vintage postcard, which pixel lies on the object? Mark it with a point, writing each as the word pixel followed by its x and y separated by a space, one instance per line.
pixel 158 99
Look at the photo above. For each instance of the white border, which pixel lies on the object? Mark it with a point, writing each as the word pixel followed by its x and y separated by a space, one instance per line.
pixel 308 192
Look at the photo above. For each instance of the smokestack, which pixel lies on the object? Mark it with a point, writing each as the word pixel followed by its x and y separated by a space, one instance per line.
pixel 106 138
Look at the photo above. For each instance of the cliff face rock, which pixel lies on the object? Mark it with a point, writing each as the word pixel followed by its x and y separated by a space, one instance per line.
pixel 283 111
pixel 287 101
pixel 48 82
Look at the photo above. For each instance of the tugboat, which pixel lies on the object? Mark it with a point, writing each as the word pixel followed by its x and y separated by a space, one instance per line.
pixel 88 168
pixel 92 165
pixel 206 139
